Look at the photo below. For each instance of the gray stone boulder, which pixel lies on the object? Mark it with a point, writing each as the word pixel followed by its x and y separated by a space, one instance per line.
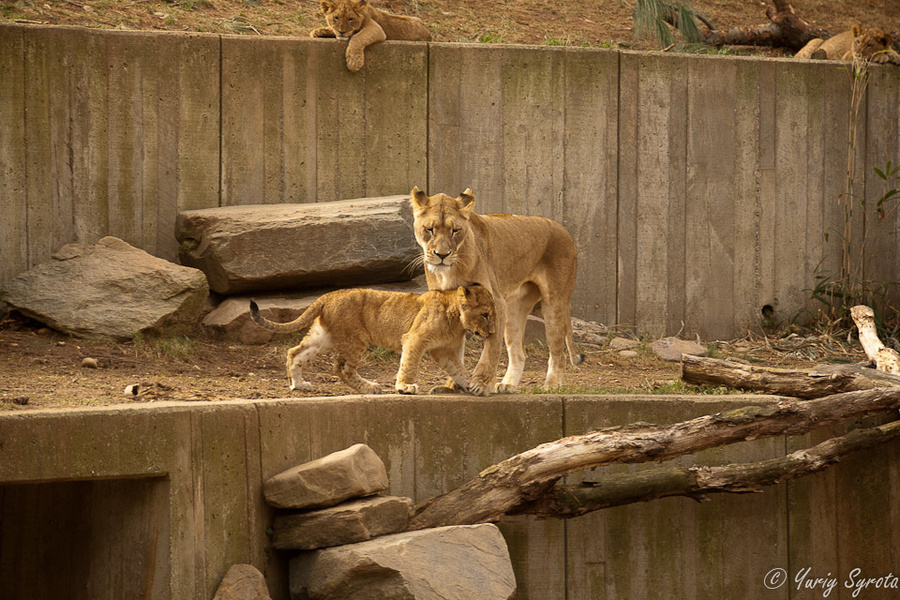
pixel 469 562
pixel 274 247
pixel 243 582
pixel 350 473
pixel 671 348
pixel 108 289
pixel 347 523
pixel 230 321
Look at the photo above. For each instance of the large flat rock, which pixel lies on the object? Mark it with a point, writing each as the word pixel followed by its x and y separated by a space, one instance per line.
pixel 244 249
pixel 108 289
pixel 469 562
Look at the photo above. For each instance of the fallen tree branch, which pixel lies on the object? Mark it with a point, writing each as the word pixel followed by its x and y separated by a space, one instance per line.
pixel 503 487
pixel 885 359
pixel 815 383
pixel 566 501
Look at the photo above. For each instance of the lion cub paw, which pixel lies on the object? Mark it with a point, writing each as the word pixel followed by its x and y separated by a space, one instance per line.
pixel 301 386
pixel 477 388
pixel 355 60
pixel 407 388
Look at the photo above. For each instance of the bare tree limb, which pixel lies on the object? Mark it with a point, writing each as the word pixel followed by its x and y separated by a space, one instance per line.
pixel 885 359
pixel 816 383
pixel 566 501
pixel 501 488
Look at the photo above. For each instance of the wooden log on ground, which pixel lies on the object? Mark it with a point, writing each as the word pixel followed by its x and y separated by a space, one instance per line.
pixel 885 359
pixel 566 501
pixel 813 383
pixel 503 487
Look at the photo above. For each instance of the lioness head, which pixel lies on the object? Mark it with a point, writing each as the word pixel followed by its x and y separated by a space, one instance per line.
pixel 345 17
pixel 441 226
pixel 869 41
pixel 476 309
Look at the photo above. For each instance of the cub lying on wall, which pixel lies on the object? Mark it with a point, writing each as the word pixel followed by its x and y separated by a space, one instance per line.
pixel 351 320
pixel 859 43
pixel 365 25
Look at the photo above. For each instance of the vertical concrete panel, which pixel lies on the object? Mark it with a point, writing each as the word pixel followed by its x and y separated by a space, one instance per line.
pixel 748 298
pixel 883 146
pixel 340 124
pixel 13 204
pixel 626 247
pixel 465 116
pixel 133 90
pixel 590 183
pixel 396 137
pixel 709 212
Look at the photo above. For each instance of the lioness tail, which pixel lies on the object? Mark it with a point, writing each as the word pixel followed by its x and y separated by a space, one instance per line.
pixel 301 322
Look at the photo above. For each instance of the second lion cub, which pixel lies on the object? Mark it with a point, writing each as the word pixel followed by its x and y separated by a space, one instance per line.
pixel 352 320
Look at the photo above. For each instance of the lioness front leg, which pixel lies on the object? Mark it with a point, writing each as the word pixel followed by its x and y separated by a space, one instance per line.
pixel 370 34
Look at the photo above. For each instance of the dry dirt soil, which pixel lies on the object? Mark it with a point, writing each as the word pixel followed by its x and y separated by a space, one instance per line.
pixel 42 369
pixel 596 23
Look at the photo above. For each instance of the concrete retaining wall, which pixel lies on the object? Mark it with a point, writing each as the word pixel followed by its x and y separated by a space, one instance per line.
pixel 698 189
pixel 157 501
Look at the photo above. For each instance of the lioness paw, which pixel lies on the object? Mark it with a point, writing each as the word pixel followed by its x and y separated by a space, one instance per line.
pixel 301 386
pixel 506 388
pixel 407 388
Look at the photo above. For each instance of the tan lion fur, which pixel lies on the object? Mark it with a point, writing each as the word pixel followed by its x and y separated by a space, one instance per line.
pixel 859 43
pixel 349 321
pixel 521 259
pixel 365 25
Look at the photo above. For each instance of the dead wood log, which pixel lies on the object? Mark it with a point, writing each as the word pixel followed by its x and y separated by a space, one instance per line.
pixel 885 359
pixel 501 488
pixel 566 501
pixel 814 383
pixel 784 30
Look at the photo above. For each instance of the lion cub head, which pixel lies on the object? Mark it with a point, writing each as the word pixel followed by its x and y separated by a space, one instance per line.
pixel 441 227
pixel 476 310
pixel 869 42
pixel 344 17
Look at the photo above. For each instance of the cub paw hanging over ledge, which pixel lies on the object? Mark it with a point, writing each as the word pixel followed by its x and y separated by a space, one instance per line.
pixel 859 43
pixel 365 25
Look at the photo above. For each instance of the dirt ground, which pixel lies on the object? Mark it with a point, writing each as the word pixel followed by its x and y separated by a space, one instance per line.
pixel 592 23
pixel 44 369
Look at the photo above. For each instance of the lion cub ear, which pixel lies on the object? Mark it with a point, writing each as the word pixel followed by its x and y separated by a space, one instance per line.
pixel 466 199
pixel 327 6
pixel 463 293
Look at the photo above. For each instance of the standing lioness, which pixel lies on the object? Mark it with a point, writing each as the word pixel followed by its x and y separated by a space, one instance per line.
pixel 351 320
pixel 521 260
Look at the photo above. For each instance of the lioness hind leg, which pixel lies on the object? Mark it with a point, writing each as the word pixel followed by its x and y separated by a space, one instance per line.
pixel 556 327
pixel 316 340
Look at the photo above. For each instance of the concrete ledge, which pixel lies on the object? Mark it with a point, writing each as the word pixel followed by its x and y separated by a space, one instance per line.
pixel 179 487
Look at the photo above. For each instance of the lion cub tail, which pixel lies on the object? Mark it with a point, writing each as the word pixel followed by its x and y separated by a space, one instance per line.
pixel 301 322
pixel 575 357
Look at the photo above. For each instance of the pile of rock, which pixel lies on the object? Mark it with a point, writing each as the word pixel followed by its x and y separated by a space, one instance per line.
pixel 351 542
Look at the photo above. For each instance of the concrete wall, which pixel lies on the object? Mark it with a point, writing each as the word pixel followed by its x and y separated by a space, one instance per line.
pixel 157 501
pixel 698 189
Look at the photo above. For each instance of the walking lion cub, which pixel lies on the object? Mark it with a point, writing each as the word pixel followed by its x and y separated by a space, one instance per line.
pixel 365 25
pixel 349 321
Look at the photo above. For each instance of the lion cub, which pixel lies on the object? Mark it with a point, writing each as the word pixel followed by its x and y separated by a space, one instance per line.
pixel 859 43
pixel 365 25
pixel 351 320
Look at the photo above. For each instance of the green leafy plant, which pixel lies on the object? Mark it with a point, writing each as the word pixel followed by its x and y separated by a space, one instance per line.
pixel 652 18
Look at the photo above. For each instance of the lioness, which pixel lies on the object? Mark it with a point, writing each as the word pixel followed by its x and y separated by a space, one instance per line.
pixel 520 259
pixel 365 25
pixel 351 320
pixel 859 43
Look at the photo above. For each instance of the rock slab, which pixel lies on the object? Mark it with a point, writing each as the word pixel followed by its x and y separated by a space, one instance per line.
pixel 671 348
pixel 327 481
pixel 469 562
pixel 108 289
pixel 243 582
pixel 347 523
pixel 257 248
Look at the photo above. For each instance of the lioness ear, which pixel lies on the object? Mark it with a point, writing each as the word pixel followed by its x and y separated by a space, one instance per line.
pixel 418 198
pixel 466 199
